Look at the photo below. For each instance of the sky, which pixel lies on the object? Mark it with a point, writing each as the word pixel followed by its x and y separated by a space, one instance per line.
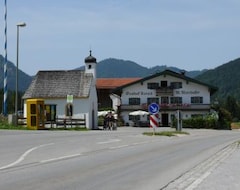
pixel 188 34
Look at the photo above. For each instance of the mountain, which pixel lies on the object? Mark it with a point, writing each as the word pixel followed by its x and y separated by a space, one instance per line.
pixel 108 68
pixel 117 68
pixel 24 80
pixel 191 74
pixel 225 77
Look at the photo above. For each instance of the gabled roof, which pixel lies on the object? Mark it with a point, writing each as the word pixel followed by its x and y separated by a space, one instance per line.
pixel 174 74
pixel 59 84
pixel 111 83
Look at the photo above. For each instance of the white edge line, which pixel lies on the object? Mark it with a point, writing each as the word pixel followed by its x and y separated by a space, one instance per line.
pixel 198 181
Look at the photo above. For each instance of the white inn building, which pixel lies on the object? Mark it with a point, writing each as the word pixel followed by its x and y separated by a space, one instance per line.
pixel 172 91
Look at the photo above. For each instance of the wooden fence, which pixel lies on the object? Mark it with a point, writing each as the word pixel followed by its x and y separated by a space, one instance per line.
pixel 70 122
pixel 59 122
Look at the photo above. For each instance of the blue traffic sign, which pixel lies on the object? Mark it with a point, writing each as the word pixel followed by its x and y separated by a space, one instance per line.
pixel 153 108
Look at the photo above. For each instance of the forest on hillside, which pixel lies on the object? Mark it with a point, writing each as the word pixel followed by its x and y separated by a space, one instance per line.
pixel 225 78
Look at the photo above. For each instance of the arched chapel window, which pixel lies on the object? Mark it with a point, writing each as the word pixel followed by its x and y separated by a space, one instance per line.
pixel 69 109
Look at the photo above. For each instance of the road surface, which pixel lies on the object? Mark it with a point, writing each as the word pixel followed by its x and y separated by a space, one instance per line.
pixel 104 160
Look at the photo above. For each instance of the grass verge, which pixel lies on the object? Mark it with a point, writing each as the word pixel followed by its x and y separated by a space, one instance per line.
pixel 166 133
pixel 12 127
pixel 235 125
pixel 24 127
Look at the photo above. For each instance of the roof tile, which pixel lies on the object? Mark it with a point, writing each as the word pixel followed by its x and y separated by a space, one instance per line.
pixel 110 83
pixel 58 84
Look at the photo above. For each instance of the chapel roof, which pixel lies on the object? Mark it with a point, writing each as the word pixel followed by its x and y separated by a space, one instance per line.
pixel 90 58
pixel 59 84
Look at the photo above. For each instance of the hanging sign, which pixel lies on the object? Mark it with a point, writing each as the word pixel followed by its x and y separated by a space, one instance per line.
pixel 69 98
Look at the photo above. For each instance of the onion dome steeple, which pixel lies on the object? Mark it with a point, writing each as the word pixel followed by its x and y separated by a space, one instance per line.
pixel 91 65
pixel 90 58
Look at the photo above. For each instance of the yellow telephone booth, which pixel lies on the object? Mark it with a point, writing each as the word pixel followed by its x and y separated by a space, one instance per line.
pixel 35 114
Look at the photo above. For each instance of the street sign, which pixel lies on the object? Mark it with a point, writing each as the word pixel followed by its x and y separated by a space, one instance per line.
pixel 153 108
pixel 69 98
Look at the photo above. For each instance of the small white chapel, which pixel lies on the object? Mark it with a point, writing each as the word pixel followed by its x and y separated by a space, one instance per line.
pixel 56 86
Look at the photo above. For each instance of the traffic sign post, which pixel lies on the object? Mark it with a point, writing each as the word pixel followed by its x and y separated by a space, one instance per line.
pixel 154 122
pixel 153 109
pixel 179 121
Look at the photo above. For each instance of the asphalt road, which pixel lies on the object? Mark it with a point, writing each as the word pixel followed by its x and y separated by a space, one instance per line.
pixel 103 160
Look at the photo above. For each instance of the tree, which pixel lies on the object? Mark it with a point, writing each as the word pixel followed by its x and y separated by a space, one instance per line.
pixel 232 106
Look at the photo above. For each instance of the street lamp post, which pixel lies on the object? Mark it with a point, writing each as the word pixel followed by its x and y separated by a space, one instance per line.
pixel 22 24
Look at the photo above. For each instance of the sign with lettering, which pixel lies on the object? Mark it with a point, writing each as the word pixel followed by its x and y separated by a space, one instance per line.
pixel 187 92
pixel 139 93
pixel 69 98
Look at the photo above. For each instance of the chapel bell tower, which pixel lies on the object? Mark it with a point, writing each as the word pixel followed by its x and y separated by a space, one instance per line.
pixel 91 65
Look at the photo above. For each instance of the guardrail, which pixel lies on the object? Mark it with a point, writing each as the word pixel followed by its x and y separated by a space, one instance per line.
pixel 167 107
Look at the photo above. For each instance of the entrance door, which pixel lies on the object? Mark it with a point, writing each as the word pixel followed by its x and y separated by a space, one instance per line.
pixel 164 119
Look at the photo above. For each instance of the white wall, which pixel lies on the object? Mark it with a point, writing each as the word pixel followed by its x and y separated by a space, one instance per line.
pixel 188 90
pixel 83 107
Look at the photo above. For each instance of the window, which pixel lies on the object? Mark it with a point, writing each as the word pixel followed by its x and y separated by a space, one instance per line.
pixel 176 85
pixel 152 100
pixel 176 100
pixel 69 110
pixel 164 100
pixel 164 83
pixel 33 108
pixel 134 101
pixel 33 120
pixel 50 110
pixel 196 115
pixel 196 100
pixel 152 85
pixel 134 117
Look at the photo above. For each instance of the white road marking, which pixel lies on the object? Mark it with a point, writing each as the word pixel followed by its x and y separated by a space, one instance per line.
pixel 139 143
pixel 109 141
pixel 60 158
pixel 121 146
pixel 23 156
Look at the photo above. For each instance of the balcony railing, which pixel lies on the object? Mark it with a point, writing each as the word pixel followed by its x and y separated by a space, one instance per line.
pixel 185 106
pixel 132 107
pixel 168 107
pixel 164 91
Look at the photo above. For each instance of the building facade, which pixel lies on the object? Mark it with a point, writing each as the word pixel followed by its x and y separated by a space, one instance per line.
pixel 172 91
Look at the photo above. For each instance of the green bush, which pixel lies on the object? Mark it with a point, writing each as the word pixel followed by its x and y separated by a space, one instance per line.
pixel 5 125
pixel 200 122
pixel 100 121
pixel 166 133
